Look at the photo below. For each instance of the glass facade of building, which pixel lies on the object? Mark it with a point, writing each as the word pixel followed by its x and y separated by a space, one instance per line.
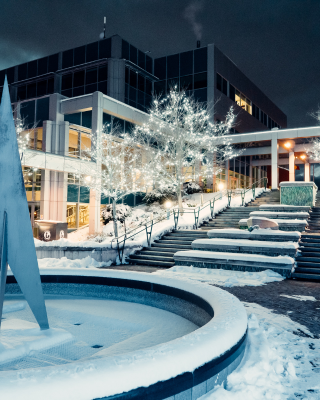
pixel 186 70
pixel 246 104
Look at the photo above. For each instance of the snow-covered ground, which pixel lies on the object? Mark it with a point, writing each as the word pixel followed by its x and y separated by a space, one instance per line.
pixel 87 262
pixel 278 364
pixel 282 359
pixel 221 277
pixel 143 214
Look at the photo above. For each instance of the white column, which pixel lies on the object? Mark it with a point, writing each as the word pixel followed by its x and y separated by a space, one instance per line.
pixel 97 125
pixel 274 163
pixel 307 172
pixel 291 167
pixel 62 196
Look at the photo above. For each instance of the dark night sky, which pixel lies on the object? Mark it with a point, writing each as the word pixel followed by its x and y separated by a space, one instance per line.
pixel 274 42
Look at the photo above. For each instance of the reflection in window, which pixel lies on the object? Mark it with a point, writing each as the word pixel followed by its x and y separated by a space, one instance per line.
pixel 73 143
pixel 79 144
pixel 186 82
pixel 32 182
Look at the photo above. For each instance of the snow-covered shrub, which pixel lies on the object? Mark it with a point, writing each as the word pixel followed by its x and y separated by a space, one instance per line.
pixel 161 195
pixel 192 187
pixel 122 211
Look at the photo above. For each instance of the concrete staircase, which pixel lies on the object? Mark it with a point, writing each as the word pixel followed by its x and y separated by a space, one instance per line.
pixel 314 220
pixel 308 260
pixel 230 217
pixel 160 253
pixel 272 197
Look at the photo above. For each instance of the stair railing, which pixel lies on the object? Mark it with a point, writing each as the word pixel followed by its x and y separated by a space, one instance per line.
pixel 176 212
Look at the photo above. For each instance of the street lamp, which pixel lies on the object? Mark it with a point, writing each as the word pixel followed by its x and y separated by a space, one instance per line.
pixel 220 186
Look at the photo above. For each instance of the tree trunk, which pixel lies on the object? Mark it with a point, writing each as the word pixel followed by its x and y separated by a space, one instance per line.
pixel 180 201
pixel 114 214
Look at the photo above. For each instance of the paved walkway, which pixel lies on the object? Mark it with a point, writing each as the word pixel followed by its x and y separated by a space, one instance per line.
pixel 306 313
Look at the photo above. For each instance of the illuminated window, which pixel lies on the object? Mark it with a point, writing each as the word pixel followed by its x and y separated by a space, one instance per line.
pixel 238 98
pixel 73 143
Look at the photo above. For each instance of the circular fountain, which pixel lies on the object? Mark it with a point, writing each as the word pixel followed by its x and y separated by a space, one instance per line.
pixel 124 335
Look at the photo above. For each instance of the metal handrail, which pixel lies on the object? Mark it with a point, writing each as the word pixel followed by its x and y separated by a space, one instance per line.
pixel 148 226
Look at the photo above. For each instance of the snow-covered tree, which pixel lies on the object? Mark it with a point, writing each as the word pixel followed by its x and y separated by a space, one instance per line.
pixel 115 173
pixel 179 135
pixel 23 134
pixel 313 150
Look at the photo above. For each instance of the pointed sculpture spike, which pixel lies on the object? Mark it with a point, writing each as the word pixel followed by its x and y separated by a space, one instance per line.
pixel 21 253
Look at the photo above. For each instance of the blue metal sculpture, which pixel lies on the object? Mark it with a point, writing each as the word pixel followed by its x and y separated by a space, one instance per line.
pixel 16 238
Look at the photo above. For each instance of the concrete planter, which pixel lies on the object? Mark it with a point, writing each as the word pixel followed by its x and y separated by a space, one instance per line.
pixel 298 193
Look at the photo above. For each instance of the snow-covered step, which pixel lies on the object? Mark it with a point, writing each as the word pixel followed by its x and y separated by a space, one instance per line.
pixel 238 262
pixel 284 224
pixel 283 208
pixel 271 249
pixel 257 234
pixel 280 215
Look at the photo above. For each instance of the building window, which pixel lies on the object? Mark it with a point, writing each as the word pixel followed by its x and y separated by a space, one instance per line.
pixel 186 63
pixel 92 52
pixel 186 82
pixel 173 66
pixel 79 144
pixel 200 60
pixel 79 55
pixel 105 48
pixel 222 84
pixel 160 67
pixel 67 59
pixel 200 80
pixel 32 182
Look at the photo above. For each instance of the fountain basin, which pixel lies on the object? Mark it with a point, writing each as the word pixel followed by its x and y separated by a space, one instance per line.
pixel 190 365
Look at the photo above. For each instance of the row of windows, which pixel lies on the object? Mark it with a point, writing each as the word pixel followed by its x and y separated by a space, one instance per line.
pixel 35 89
pixel 137 98
pixel 32 69
pixel 38 67
pixel 138 81
pixel 84 77
pixel 136 56
pixel 83 54
pixel 34 112
pixel 187 63
pixel 88 89
pixel 234 94
pixel 109 121
pixel 85 119
pixel 189 82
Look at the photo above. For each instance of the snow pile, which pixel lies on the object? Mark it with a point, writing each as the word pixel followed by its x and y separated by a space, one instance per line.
pixel 87 262
pixel 245 243
pixel 278 363
pixel 299 297
pixel 214 255
pixel 221 277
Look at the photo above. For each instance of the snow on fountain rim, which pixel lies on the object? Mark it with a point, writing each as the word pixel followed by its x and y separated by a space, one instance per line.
pixel 94 378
